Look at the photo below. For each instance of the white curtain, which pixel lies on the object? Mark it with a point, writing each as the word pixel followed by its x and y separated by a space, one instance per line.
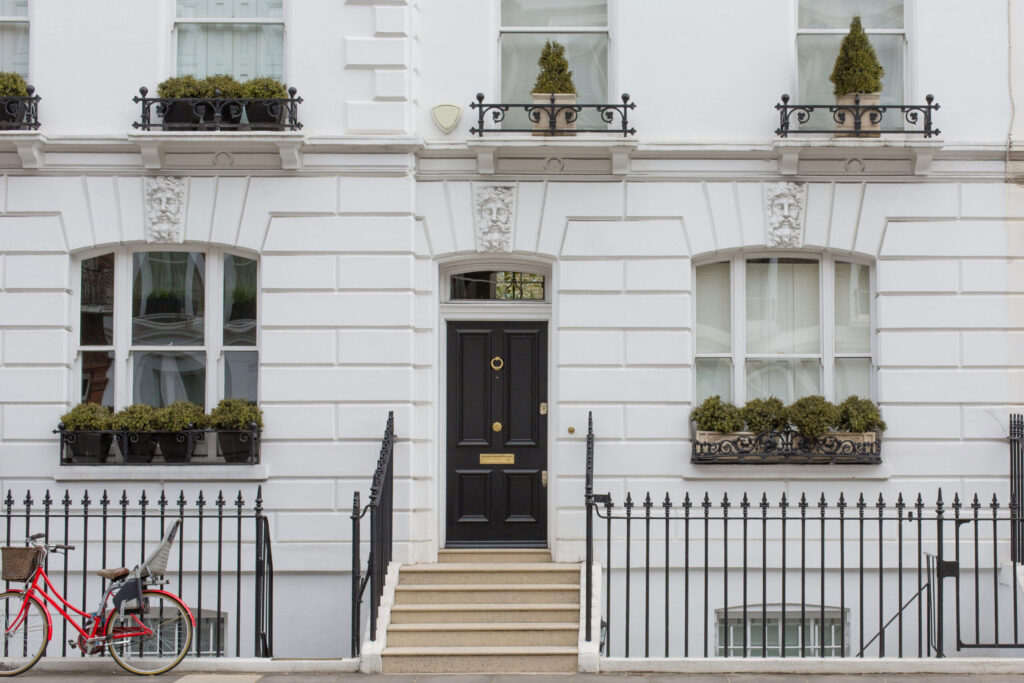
pixel 14 38
pixel 785 379
pixel 548 13
pixel 162 378
pixel 240 373
pixel 782 307
pixel 853 309
pixel 714 317
pixel 242 50
pixel 714 378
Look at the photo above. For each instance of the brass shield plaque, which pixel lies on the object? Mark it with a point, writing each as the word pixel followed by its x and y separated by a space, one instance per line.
pixel 497 458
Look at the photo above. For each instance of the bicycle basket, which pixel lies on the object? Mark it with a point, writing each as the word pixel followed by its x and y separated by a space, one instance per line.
pixel 19 563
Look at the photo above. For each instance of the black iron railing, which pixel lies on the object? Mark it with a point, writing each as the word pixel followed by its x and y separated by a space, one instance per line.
pixel 214 574
pixel 218 113
pixel 801 577
pixel 866 119
pixel 551 117
pixel 1016 439
pixel 186 447
pixel 381 508
pixel 20 113
pixel 786 447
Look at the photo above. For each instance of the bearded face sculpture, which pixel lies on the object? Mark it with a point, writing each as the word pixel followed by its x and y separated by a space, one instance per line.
pixel 165 207
pixel 494 218
pixel 784 206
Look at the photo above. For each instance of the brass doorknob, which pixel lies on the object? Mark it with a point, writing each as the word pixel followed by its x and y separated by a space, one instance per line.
pixel 496 426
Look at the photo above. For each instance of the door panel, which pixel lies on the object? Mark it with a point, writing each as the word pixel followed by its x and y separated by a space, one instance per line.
pixel 497 438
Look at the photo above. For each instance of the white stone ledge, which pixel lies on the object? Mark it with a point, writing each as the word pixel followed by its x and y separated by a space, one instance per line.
pixel 162 473
pixel 784 472
pixel 792 665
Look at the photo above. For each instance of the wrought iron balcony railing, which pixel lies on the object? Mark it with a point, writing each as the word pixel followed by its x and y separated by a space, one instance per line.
pixel 787 446
pixel 218 113
pixel 553 118
pixel 866 118
pixel 20 113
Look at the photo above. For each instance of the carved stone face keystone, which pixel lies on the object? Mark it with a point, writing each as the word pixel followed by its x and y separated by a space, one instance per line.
pixel 165 208
pixel 494 206
pixel 784 212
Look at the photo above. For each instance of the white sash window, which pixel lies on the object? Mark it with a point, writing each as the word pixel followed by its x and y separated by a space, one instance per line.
pixel 242 38
pixel 14 36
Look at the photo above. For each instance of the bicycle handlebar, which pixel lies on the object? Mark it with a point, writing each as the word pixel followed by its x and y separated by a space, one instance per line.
pixel 33 540
pixel 36 537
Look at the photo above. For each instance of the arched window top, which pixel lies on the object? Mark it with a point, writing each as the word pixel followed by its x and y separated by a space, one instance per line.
pixel 497 285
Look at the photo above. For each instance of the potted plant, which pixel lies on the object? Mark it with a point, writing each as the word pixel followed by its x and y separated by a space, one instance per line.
pixel 163 301
pixel 554 81
pixel 83 429
pixel 716 419
pixel 266 112
pixel 238 423
pixel 136 424
pixel 175 421
pixel 857 73
pixel 765 415
pixel 858 420
pixel 181 114
pixel 12 85
pixel 225 87
pixel 812 417
pixel 242 303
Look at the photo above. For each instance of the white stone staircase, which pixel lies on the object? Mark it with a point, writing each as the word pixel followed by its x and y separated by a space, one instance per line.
pixel 484 611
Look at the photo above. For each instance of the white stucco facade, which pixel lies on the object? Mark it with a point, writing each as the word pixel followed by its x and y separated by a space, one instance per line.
pixel 358 219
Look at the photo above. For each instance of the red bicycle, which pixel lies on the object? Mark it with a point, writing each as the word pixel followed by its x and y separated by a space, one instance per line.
pixel 147 631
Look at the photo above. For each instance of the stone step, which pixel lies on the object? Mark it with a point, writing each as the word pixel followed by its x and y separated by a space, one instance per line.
pixel 489 573
pixel 486 593
pixel 482 634
pixel 494 555
pixel 484 613
pixel 509 659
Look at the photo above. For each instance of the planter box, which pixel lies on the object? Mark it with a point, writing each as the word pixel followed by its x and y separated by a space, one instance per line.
pixel 847 128
pixel 786 446
pixel 543 124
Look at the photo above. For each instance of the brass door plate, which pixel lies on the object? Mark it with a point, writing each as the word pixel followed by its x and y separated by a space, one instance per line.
pixel 497 458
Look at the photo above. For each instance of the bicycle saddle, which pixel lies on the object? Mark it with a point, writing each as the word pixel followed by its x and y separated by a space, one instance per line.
pixel 113 574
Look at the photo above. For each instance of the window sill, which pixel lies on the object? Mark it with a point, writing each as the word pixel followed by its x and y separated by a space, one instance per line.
pixel 162 473
pixel 155 146
pixel 566 154
pixel 893 154
pixel 725 472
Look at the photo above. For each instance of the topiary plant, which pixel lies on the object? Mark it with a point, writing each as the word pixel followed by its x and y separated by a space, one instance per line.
pixel 812 416
pixel 180 86
pixel 236 413
pixel 764 415
pixel 179 416
pixel 12 85
pixel 135 418
pixel 224 84
pixel 264 89
pixel 859 415
pixel 554 76
pixel 86 417
pixel 857 69
pixel 716 415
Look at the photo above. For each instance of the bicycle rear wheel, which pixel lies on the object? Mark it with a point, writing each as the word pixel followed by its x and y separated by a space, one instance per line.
pixel 24 644
pixel 153 641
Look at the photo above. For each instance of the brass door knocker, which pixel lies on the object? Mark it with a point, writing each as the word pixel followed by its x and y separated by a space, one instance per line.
pixel 497 363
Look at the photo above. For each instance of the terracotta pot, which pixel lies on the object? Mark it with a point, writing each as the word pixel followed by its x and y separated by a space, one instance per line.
pixel 543 125
pixel 848 126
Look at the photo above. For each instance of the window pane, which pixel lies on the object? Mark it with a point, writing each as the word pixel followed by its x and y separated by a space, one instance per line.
pixel 167 298
pixel 816 55
pixel 14 47
pixel 554 13
pixel 98 378
pixel 853 377
pixel 243 50
pixel 588 60
pixel 239 301
pixel 839 13
pixel 714 318
pixel 237 9
pixel 162 378
pixel 853 309
pixel 782 306
pixel 240 372
pixel 498 285
pixel 714 378
pixel 787 379
pixel 14 8
pixel 97 314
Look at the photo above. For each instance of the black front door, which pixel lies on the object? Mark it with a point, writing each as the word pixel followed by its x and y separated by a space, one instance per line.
pixel 497 434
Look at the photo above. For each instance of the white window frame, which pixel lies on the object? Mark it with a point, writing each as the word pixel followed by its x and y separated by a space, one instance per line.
pixel 773 613
pixel 611 86
pixel 4 19
pixel 283 22
pixel 826 317
pixel 123 349
pixel 909 7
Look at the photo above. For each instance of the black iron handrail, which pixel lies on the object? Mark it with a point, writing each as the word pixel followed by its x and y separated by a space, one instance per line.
pixel 20 113
pixel 786 446
pixel 912 114
pixel 380 507
pixel 550 112
pixel 217 113
pixel 211 576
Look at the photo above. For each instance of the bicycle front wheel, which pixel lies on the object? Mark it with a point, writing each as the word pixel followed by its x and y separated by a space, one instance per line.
pixel 151 641
pixel 24 633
